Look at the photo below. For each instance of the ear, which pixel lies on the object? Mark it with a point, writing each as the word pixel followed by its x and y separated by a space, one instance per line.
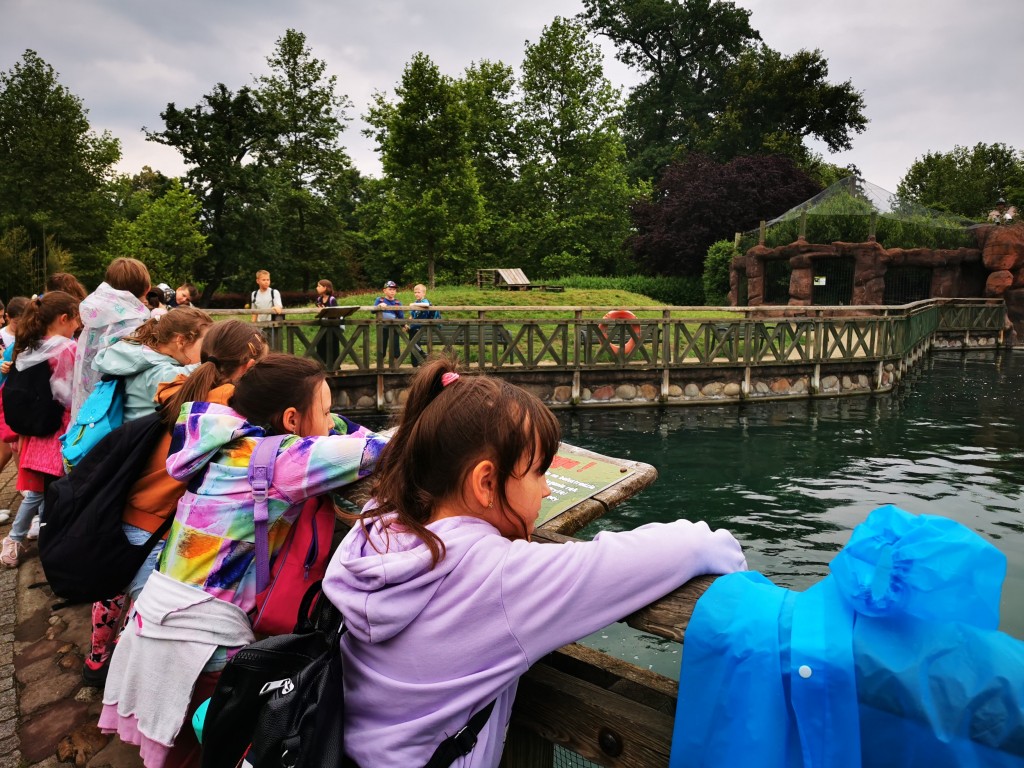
pixel 483 480
pixel 291 420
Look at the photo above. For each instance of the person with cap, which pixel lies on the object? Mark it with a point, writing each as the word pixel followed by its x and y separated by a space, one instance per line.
pixel 389 335
pixel 1002 214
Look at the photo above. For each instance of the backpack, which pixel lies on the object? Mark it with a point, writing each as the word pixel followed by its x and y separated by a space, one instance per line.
pixel 82 546
pixel 29 407
pixel 292 687
pixel 100 414
pixel 275 300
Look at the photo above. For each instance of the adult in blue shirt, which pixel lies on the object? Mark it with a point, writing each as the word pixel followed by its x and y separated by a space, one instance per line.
pixel 389 335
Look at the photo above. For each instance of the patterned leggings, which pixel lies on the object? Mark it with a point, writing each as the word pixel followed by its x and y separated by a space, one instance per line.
pixel 106 624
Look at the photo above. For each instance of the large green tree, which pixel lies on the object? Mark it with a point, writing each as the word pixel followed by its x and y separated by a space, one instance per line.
pixel 709 85
pixel 683 50
pixel 572 173
pixel 966 180
pixel 53 167
pixel 165 235
pixel 314 176
pixel 218 139
pixel 431 210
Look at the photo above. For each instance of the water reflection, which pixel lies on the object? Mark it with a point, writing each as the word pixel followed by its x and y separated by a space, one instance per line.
pixel 792 479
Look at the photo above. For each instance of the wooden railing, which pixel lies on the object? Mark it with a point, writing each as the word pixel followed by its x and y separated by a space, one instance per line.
pixel 578 338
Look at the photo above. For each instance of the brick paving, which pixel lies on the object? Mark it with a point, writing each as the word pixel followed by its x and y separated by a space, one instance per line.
pixel 47 715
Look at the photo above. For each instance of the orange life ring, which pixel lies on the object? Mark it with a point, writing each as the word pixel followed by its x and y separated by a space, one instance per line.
pixel 621 314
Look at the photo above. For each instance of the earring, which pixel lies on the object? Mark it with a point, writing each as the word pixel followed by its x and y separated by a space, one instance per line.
pixel 490 502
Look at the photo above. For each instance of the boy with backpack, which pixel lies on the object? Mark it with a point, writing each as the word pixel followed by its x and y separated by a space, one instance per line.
pixel 266 299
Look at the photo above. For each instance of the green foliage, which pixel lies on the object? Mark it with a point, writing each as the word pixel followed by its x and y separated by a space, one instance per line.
pixel 671 291
pixel 165 235
pixel 966 181
pixel 53 167
pixel 717 265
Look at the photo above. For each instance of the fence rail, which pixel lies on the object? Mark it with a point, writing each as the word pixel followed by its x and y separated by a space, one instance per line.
pixel 508 339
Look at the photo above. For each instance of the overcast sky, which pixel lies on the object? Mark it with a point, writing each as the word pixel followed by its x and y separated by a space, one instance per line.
pixel 934 73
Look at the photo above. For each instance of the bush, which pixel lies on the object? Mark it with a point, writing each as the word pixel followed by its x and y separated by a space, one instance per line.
pixel 717 265
pixel 241 300
pixel 674 291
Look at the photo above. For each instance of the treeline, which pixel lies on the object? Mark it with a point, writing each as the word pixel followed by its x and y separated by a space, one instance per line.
pixel 547 167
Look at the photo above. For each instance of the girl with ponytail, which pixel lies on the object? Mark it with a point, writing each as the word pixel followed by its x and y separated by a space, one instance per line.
pixel 446 599
pixel 229 349
pixel 46 331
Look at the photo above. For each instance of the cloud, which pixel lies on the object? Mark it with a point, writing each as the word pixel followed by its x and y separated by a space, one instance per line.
pixel 934 74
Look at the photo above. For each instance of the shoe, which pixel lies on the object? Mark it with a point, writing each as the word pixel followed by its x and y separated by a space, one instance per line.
pixel 5 515
pixel 33 530
pixel 11 552
pixel 95 678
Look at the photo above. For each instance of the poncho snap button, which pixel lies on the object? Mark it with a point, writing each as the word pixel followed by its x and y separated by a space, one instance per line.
pixel 804 671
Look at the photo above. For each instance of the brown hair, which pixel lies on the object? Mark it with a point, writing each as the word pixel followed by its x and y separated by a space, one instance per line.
pixel 40 313
pixel 125 274
pixel 227 346
pixel 328 285
pixel 187 321
pixel 445 430
pixel 193 292
pixel 275 384
pixel 16 307
pixel 65 281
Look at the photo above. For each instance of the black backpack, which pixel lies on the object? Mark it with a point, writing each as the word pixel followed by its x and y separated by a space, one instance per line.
pixel 83 549
pixel 29 407
pixel 292 688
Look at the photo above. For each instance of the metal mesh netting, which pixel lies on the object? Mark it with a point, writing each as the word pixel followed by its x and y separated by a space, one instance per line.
pixel 565 758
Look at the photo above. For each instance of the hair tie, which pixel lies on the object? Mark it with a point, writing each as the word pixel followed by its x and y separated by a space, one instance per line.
pixel 212 359
pixel 448 378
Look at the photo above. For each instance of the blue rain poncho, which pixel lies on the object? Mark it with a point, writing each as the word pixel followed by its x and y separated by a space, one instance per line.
pixel 892 660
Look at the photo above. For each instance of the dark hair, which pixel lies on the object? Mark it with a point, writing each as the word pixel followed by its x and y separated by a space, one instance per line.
pixel 227 346
pixel 275 384
pixel 328 285
pixel 445 430
pixel 65 281
pixel 40 313
pixel 126 274
pixel 188 322
pixel 16 307
pixel 193 292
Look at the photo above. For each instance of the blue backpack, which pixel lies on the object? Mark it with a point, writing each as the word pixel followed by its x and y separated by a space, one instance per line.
pixel 100 414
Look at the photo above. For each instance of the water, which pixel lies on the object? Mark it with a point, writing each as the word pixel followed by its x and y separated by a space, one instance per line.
pixel 791 480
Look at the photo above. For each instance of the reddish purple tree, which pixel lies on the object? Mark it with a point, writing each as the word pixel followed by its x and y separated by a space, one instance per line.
pixel 698 201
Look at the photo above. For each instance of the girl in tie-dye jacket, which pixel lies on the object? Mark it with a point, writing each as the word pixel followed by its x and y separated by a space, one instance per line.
pixel 192 613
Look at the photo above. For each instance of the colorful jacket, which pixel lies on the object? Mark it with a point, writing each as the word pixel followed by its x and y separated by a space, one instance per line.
pixel 210 545
pixel 428 647
pixel 107 315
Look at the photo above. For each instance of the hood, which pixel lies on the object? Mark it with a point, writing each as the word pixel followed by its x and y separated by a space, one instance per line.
pixel 127 359
pixel 381 577
pixel 203 430
pixel 48 348
pixel 109 306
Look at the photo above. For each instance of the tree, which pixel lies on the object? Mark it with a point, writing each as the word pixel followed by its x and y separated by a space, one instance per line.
pixel 683 48
pixel 432 207
pixel 165 235
pixel 53 167
pixel 574 185
pixel 313 193
pixel 966 181
pixel 217 138
pixel 775 102
pixel 698 201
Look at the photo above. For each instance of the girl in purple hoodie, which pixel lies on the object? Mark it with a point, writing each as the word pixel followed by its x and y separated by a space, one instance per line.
pixel 447 600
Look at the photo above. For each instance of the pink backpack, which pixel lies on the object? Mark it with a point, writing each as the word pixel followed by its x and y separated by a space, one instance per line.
pixel 302 559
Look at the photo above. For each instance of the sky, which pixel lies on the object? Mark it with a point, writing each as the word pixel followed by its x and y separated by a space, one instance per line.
pixel 934 73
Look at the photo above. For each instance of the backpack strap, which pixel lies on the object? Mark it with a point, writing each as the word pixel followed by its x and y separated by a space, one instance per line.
pixel 261 478
pixel 462 742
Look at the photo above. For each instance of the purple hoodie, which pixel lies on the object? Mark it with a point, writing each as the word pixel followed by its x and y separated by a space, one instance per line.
pixel 428 647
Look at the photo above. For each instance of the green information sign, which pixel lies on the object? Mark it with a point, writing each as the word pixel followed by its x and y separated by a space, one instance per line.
pixel 573 478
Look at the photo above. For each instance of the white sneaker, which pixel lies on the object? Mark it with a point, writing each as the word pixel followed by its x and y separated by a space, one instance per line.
pixel 5 515
pixel 10 552
pixel 33 530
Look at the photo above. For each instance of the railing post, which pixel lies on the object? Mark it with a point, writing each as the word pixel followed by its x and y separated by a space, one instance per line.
pixel 762 232
pixel 803 226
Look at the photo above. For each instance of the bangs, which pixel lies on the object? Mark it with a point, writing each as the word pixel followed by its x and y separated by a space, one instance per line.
pixel 545 428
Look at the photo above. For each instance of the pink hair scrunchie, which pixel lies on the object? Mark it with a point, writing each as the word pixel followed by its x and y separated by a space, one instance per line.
pixel 448 378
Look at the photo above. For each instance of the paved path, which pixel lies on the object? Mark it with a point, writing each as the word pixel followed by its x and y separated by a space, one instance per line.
pixel 47 715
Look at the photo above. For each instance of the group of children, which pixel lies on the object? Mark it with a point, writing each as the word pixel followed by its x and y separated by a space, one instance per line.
pixel 446 598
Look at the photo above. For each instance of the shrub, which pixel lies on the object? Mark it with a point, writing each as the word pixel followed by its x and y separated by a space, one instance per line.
pixel 675 291
pixel 717 265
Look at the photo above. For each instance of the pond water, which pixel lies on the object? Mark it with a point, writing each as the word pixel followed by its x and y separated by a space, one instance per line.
pixel 792 479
